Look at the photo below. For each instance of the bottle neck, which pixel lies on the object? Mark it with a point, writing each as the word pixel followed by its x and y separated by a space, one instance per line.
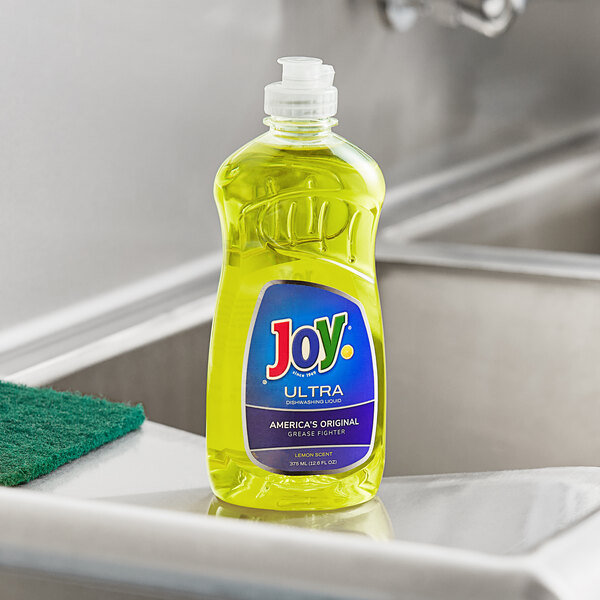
pixel 303 129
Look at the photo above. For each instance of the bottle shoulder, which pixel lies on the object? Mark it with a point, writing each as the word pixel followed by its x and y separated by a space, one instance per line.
pixel 328 162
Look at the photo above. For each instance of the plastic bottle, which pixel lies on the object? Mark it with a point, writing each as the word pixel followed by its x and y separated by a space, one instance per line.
pixel 296 381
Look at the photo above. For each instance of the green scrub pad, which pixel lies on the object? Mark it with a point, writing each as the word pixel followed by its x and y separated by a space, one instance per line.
pixel 41 429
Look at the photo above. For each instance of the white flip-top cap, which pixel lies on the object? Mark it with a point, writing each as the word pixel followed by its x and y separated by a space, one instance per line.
pixel 305 91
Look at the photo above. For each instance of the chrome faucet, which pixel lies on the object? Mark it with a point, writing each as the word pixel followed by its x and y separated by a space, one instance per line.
pixel 488 17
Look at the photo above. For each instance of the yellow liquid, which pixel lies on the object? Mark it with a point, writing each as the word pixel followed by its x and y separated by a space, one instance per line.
pixel 297 203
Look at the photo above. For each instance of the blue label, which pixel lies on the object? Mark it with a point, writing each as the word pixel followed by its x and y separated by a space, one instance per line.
pixel 310 386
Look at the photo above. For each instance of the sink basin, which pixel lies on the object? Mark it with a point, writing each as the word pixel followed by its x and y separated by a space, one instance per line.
pixel 491 315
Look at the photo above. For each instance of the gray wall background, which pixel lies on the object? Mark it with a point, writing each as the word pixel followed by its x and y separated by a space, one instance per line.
pixel 115 115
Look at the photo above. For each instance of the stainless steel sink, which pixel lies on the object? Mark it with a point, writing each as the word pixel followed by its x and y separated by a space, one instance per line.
pixel 556 209
pixel 492 319
pixel 491 297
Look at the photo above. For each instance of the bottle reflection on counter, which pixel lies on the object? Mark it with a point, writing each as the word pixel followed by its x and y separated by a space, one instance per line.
pixel 369 519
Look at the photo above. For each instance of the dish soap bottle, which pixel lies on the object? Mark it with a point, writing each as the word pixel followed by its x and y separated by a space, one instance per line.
pixel 296 381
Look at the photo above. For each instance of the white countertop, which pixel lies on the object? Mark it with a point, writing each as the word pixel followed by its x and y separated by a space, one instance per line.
pixel 138 514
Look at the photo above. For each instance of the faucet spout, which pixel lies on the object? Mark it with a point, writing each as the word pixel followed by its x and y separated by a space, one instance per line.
pixel 490 18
